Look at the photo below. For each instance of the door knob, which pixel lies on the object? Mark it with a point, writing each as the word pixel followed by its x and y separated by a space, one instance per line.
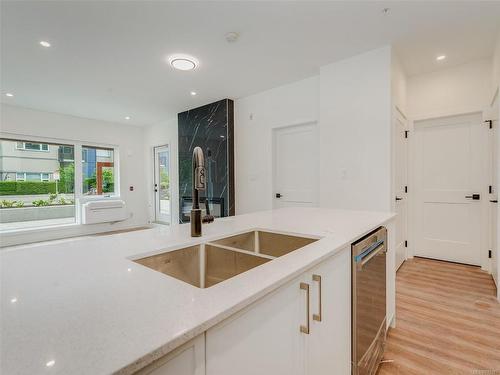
pixel 278 195
pixel 475 197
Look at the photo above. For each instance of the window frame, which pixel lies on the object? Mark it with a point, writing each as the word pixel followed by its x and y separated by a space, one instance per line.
pixel 78 180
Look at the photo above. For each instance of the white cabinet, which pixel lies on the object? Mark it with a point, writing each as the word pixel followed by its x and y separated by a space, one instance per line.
pixel 266 338
pixel 262 339
pixel 188 359
pixel 328 345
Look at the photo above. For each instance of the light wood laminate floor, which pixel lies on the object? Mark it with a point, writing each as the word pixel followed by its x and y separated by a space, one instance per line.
pixel 448 321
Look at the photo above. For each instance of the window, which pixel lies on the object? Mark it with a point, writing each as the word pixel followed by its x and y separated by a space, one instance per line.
pixel 27 185
pixel 98 171
pixel 41 181
pixel 31 146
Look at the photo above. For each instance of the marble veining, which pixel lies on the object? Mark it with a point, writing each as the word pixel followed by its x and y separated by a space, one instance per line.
pixel 82 306
pixel 211 128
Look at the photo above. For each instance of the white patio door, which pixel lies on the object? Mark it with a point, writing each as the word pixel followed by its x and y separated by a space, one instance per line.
pixel 450 187
pixel 401 182
pixel 162 184
pixel 296 165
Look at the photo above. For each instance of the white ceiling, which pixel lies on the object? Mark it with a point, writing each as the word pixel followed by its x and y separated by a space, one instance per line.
pixel 107 59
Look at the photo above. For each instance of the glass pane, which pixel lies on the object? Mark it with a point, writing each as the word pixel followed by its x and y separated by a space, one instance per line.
pixel 163 185
pixel 32 146
pixel 97 171
pixel 29 196
pixel 32 176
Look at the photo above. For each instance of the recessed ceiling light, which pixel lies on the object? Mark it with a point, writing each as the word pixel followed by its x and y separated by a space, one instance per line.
pixel 44 43
pixel 13 300
pixel 232 37
pixel 182 62
pixel 441 57
pixel 127 117
pixel 10 95
pixel 193 93
pixel 50 363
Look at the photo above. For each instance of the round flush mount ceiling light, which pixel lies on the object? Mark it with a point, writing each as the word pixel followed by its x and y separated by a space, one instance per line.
pixel 127 117
pixel 9 94
pixel 45 44
pixel 183 62
pixel 193 93
pixel 441 57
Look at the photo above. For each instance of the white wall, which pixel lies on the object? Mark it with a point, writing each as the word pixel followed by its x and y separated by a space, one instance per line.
pixel 161 134
pixel 355 132
pixel 255 117
pixel 398 85
pixel 496 65
pixel 462 89
pixel 128 139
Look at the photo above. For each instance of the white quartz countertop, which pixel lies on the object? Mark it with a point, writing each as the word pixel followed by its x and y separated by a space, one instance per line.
pixel 81 306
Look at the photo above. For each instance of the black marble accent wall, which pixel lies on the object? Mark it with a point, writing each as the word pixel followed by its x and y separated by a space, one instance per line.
pixel 212 128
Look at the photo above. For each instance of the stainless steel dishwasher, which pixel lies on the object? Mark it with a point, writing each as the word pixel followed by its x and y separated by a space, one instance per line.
pixel 368 301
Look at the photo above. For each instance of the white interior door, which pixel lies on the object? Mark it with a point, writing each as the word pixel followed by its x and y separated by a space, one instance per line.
pixel 162 184
pixel 400 190
pixel 295 166
pixel 450 160
pixel 493 206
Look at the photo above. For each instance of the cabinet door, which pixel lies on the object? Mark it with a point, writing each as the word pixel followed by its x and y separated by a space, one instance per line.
pixel 328 347
pixel 189 359
pixel 265 338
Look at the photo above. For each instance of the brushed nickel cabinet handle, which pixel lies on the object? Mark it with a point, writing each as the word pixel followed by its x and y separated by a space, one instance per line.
pixel 305 329
pixel 317 316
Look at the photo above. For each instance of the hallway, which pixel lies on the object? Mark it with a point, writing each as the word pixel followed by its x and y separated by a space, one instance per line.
pixel 448 321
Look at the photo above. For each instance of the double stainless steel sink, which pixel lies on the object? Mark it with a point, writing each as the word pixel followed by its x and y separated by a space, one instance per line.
pixel 209 263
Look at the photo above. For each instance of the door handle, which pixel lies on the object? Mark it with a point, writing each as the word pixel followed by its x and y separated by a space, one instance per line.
pixel 474 197
pixel 494 201
pixel 305 329
pixel 278 195
pixel 399 199
pixel 317 316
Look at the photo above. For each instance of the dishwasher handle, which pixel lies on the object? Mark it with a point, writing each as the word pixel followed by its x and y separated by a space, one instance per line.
pixel 369 252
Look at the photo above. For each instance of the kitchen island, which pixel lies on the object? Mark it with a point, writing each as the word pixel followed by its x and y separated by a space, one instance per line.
pixel 83 306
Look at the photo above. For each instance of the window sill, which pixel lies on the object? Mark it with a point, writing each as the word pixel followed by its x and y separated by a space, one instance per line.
pixel 37 229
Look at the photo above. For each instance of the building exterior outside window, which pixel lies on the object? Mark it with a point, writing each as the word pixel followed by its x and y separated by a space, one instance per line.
pixel 97 171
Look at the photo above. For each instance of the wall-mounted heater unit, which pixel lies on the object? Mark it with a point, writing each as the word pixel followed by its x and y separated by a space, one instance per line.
pixel 104 211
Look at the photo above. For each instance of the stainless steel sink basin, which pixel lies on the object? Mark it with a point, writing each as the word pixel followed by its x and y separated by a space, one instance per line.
pixel 267 243
pixel 202 265
pixel 207 264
